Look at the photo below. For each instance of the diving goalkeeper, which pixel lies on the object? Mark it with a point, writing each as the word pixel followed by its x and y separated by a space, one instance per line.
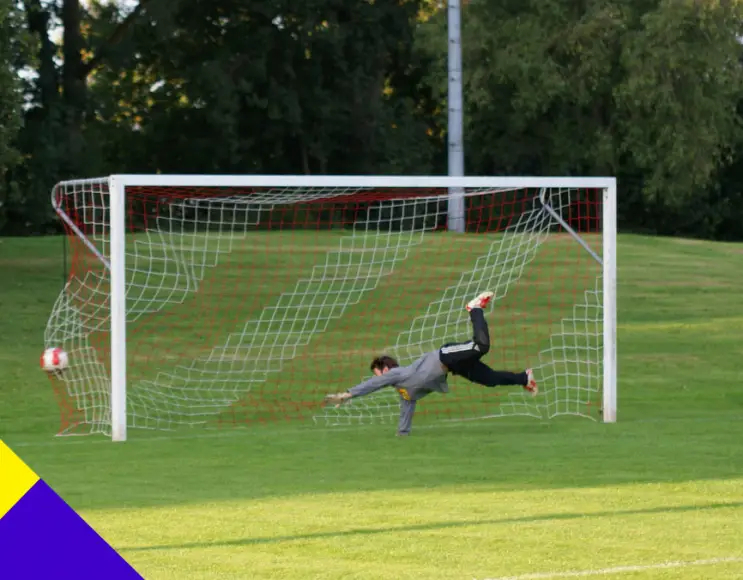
pixel 428 374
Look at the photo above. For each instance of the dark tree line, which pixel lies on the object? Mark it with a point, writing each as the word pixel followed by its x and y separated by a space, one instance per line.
pixel 647 90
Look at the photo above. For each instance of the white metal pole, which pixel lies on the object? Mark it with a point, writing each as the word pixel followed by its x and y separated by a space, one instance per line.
pixel 610 303
pixel 455 124
pixel 117 233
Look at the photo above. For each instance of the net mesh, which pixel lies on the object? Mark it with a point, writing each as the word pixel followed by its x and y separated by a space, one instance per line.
pixel 248 304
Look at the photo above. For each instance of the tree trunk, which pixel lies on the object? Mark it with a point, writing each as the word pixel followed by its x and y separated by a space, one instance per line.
pixel 74 89
pixel 38 24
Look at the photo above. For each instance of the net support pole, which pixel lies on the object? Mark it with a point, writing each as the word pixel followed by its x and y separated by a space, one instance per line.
pixel 609 403
pixel 117 233
pixel 455 131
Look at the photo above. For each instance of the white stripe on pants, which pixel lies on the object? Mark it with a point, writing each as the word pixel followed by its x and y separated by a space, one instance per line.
pixel 459 347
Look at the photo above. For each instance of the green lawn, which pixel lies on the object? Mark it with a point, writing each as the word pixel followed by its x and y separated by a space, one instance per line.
pixel 657 495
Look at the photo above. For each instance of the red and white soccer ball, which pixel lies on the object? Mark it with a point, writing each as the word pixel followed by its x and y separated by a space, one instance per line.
pixel 54 360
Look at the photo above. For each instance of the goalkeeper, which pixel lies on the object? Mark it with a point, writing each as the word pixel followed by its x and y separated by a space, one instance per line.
pixel 428 374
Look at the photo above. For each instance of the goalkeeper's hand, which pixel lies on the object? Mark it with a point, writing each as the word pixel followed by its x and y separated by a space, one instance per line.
pixel 337 399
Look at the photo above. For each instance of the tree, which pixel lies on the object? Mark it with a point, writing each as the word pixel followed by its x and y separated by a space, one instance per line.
pixel 11 98
pixel 60 137
pixel 645 90
pixel 681 85
pixel 538 80
pixel 308 86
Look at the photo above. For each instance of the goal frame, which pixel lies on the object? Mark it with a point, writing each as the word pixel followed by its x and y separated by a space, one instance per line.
pixel 117 185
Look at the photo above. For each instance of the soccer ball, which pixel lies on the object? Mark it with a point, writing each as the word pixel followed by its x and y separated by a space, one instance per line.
pixel 54 360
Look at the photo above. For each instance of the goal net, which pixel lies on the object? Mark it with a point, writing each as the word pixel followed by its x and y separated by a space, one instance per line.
pixel 245 300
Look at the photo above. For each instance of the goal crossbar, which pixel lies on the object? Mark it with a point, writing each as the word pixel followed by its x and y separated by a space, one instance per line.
pixel 361 181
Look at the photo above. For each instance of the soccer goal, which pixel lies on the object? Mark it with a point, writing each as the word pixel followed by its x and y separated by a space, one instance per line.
pixel 221 300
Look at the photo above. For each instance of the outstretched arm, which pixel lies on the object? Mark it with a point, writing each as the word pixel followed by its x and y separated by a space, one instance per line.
pixel 375 383
pixel 369 386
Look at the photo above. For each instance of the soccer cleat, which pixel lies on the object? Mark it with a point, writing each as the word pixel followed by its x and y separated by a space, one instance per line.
pixel 531 383
pixel 481 301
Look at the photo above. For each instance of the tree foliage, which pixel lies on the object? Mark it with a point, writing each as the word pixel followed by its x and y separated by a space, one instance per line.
pixel 305 86
pixel 647 90
pixel 11 98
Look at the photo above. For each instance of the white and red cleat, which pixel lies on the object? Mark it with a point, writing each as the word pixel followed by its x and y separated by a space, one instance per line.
pixel 481 301
pixel 531 383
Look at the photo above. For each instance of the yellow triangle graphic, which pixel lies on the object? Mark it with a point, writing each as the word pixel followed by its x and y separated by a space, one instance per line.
pixel 16 478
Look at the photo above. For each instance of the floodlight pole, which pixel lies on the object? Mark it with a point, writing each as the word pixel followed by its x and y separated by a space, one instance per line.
pixel 455 129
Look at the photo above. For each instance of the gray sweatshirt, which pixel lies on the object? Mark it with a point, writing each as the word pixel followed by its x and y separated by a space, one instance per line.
pixel 413 382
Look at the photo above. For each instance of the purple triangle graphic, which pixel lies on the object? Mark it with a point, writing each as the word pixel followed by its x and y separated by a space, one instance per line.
pixel 41 537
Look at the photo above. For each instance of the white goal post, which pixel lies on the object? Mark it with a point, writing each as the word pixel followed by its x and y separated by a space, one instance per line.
pixel 185 225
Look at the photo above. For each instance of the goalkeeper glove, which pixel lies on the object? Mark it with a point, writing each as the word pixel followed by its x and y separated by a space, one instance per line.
pixel 337 399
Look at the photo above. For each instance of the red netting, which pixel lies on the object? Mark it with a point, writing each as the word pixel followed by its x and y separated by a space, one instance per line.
pixel 248 305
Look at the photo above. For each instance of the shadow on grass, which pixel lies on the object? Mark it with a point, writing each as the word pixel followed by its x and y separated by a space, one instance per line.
pixel 433 526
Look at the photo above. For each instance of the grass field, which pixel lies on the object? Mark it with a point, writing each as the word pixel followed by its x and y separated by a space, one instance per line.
pixel 657 495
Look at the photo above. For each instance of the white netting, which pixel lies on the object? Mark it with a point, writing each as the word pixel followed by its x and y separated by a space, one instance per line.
pixel 227 292
pixel 568 369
